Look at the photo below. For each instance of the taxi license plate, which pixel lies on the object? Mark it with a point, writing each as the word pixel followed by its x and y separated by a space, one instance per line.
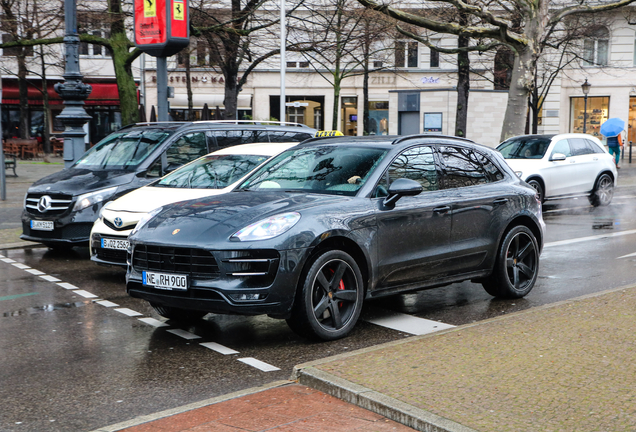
pixel 165 281
pixel 114 244
pixel 42 225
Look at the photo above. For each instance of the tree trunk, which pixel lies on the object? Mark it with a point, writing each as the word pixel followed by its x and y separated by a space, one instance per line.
pixel 365 99
pixel 231 96
pixel 189 85
pixel 336 104
pixel 46 138
pixel 521 83
pixel 24 98
pixel 463 88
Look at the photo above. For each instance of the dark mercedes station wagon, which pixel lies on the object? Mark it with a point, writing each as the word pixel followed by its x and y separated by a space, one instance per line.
pixel 59 210
pixel 330 222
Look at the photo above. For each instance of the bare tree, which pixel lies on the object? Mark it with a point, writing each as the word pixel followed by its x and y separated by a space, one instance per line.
pixel 537 20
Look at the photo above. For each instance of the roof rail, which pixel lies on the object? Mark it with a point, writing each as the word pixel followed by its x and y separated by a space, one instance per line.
pixel 408 137
pixel 263 122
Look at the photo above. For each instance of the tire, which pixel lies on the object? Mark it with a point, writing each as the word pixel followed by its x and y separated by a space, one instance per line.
pixel 329 297
pixel 536 185
pixel 603 191
pixel 516 266
pixel 177 313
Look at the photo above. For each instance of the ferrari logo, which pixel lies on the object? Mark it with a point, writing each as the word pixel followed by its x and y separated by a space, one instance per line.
pixel 175 231
pixel 150 8
pixel 177 11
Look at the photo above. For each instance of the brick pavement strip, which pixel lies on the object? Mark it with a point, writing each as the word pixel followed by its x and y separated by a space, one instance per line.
pixel 563 367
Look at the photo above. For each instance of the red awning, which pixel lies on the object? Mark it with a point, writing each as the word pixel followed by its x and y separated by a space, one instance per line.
pixel 102 94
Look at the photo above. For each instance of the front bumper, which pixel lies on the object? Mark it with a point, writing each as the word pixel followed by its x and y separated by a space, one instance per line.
pixel 106 256
pixel 72 228
pixel 248 282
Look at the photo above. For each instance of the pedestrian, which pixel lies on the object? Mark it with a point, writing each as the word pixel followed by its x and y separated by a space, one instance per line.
pixel 614 146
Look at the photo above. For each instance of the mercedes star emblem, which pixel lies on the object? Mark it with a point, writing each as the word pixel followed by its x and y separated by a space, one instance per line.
pixel 44 204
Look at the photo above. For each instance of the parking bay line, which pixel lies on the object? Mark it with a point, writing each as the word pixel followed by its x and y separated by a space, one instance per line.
pixel 184 334
pixel 590 238
pixel 219 348
pixel 265 367
pixel 403 322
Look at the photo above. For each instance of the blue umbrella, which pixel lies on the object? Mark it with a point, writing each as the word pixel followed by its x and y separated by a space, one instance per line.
pixel 612 127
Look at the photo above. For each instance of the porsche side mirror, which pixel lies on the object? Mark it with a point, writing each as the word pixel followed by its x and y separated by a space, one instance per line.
pixel 400 188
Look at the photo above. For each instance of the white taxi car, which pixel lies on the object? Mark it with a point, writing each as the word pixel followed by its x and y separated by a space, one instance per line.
pixel 213 174
pixel 563 166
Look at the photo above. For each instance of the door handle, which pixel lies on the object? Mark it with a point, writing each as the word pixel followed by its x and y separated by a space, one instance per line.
pixel 441 210
pixel 500 201
pixel 572 161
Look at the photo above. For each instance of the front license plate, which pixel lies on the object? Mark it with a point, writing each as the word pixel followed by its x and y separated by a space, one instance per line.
pixel 114 244
pixel 42 225
pixel 165 281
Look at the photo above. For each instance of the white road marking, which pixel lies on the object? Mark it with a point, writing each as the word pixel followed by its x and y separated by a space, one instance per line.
pixel 85 294
pixel 7 260
pixel 258 364
pixel 184 334
pixel 590 238
pixel 219 348
pixel 20 266
pixel 627 256
pixel 67 286
pixel 128 312
pixel 35 272
pixel 153 322
pixel 404 322
pixel 50 278
pixel 106 303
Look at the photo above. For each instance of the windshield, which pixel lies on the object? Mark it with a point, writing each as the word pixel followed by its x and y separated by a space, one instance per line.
pixel 340 170
pixel 524 147
pixel 212 172
pixel 122 151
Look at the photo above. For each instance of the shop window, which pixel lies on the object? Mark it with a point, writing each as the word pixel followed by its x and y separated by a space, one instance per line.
pixel 378 118
pixel 296 115
pixel 597 114
pixel 406 54
pixel 596 47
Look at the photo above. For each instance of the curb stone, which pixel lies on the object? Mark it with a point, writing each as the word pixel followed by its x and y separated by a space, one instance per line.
pixel 378 403
pixel 173 411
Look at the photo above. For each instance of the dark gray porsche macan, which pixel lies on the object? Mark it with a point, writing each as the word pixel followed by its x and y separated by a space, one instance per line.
pixel 331 222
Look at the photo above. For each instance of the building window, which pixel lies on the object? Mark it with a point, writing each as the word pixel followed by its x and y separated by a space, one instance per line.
pixel 94 50
pixel 300 64
pixel 296 115
pixel 596 47
pixel 504 60
pixel 378 118
pixel 406 54
pixel 434 58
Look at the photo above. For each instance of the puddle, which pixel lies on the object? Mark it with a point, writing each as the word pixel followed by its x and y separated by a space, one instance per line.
pixel 45 308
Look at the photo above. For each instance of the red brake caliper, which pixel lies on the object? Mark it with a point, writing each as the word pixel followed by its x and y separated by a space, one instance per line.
pixel 341 286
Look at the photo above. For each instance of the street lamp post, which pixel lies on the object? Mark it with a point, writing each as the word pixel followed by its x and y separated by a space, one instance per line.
pixel 73 91
pixel 586 89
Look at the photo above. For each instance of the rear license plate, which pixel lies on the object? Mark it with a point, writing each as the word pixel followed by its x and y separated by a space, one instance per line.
pixel 42 225
pixel 114 244
pixel 165 281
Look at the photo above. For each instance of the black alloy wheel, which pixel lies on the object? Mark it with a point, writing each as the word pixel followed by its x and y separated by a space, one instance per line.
pixel 517 265
pixel 328 303
pixel 177 313
pixel 603 191
pixel 536 185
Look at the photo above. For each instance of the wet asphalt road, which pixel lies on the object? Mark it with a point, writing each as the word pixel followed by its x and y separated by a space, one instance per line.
pixel 70 363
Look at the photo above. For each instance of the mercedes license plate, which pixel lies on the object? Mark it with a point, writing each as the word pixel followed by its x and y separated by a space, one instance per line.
pixel 42 225
pixel 165 281
pixel 108 243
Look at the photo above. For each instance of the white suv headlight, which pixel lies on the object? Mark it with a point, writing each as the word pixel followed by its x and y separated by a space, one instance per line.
pixel 145 219
pixel 93 198
pixel 268 228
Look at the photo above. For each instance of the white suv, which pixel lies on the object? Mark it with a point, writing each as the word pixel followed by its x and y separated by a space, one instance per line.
pixel 563 166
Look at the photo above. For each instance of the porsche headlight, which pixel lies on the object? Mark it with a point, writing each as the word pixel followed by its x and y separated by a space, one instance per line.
pixel 268 228
pixel 145 219
pixel 93 198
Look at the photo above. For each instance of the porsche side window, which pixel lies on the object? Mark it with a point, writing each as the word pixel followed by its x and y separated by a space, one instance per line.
pixel 490 167
pixel 417 164
pixel 461 168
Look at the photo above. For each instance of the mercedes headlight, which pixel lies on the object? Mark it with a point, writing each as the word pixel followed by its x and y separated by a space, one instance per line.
pixel 268 228
pixel 92 198
pixel 145 219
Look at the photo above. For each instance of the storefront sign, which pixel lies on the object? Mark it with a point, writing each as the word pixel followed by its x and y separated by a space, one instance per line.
pixel 432 122
pixel 161 26
pixel 429 80
pixel 193 79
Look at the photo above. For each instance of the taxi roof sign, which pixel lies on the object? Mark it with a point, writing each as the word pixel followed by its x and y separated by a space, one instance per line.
pixel 329 133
